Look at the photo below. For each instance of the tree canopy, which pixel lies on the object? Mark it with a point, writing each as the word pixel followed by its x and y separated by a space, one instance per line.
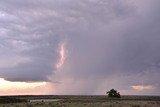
pixel 113 94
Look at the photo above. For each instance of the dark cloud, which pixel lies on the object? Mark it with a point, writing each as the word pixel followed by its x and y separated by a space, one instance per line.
pixel 108 43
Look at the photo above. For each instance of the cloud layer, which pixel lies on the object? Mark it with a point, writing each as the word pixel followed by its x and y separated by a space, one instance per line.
pixel 108 44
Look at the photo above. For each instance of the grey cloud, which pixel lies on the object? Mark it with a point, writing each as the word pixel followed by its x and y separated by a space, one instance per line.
pixel 119 57
pixel 35 29
pixel 108 43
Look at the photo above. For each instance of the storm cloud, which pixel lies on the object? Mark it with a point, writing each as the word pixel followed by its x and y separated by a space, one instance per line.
pixel 108 44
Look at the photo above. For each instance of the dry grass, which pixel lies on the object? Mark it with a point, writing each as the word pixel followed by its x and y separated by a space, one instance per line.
pixel 89 101
pixel 79 104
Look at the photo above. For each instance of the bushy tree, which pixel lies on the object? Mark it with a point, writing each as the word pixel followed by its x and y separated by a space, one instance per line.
pixel 113 94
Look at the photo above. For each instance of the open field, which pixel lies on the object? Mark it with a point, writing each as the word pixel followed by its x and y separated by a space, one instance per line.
pixel 79 101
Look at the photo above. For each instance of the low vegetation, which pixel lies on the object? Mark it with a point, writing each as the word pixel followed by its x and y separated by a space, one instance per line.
pixel 7 99
pixel 84 101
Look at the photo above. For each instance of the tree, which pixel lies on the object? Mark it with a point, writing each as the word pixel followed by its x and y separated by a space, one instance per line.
pixel 113 94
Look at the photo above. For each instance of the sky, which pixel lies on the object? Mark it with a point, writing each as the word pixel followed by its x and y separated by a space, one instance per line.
pixel 79 47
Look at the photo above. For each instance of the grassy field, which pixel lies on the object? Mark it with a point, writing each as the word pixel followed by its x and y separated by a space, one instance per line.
pixel 79 101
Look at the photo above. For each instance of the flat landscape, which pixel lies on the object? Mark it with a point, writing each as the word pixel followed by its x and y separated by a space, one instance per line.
pixel 79 53
pixel 79 101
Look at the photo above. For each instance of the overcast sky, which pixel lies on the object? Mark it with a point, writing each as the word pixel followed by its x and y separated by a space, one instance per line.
pixel 82 46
